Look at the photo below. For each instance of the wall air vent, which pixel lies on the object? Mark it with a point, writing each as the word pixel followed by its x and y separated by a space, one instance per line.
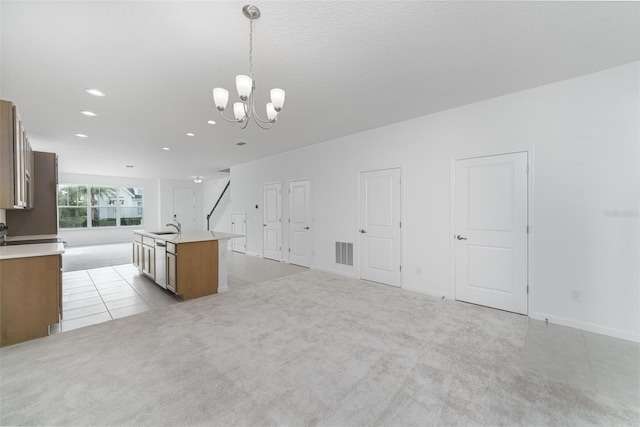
pixel 344 253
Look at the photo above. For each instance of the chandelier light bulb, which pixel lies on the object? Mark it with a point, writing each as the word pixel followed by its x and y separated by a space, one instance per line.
pixel 244 84
pixel 238 111
pixel 271 112
pixel 220 97
pixel 277 98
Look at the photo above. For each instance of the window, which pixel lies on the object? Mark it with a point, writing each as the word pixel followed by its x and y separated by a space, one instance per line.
pixel 72 206
pixel 103 208
pixel 97 206
pixel 130 206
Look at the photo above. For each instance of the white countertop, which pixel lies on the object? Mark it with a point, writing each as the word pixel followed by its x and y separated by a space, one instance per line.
pixel 32 237
pixel 26 251
pixel 189 236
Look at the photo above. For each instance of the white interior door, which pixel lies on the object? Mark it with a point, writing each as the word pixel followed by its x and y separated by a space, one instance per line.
pixel 380 226
pixel 272 221
pixel 490 241
pixel 239 226
pixel 300 223
pixel 184 208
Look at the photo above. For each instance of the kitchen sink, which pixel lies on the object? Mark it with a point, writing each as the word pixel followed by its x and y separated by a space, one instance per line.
pixel 162 233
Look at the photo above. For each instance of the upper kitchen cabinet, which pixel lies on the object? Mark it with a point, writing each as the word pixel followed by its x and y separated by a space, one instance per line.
pixel 16 160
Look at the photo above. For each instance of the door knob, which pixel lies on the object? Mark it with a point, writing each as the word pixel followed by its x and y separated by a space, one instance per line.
pixel 264 225
pixel 306 228
pixel 459 237
pixel 363 231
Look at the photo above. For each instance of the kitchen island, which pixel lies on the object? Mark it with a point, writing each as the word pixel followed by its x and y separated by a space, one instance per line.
pixel 190 264
pixel 30 290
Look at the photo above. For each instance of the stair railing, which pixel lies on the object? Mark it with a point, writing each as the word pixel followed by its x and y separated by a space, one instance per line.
pixel 216 205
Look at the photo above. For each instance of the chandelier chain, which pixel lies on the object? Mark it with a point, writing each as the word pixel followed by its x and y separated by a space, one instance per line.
pixel 251 48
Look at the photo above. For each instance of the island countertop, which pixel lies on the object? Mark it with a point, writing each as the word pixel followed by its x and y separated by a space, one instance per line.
pixel 34 250
pixel 188 236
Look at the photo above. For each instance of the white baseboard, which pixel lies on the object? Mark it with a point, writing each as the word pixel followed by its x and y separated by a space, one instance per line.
pixel 586 326
pixel 253 254
pixel 424 291
pixel 338 272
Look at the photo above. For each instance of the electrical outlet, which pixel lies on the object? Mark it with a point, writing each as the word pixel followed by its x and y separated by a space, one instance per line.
pixel 576 296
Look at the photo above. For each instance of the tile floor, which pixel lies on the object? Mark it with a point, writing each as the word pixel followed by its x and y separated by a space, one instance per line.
pixel 598 363
pixel 101 294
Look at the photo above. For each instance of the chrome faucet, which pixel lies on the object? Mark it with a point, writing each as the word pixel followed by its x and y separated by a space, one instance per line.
pixel 177 227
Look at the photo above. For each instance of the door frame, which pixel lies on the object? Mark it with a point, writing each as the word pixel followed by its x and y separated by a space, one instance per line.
pixel 244 214
pixel 530 235
pixel 356 245
pixel 310 256
pixel 264 184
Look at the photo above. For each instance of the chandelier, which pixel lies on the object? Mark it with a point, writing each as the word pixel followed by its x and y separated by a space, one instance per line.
pixel 246 86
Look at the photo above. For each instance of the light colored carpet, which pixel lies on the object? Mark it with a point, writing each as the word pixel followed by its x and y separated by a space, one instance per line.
pixel 87 257
pixel 306 349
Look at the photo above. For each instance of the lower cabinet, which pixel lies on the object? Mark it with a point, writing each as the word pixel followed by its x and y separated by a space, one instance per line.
pixel 149 256
pixel 31 290
pixel 172 277
pixel 137 254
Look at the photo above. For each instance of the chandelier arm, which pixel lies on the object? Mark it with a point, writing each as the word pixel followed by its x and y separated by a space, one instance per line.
pixel 257 116
pixel 264 127
pixel 229 120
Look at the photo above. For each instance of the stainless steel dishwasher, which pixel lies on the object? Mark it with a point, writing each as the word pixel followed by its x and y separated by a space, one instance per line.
pixel 161 263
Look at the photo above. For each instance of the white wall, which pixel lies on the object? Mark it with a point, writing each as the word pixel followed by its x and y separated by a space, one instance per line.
pixel 166 200
pixel 584 138
pixel 151 202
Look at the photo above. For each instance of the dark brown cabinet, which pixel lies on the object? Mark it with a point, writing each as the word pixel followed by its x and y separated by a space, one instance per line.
pixel 41 219
pixel 16 161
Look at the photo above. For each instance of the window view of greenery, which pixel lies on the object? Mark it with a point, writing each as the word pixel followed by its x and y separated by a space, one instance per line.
pixel 105 206
pixel 72 206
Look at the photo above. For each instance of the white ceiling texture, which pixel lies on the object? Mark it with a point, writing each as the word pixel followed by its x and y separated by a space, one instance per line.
pixel 346 67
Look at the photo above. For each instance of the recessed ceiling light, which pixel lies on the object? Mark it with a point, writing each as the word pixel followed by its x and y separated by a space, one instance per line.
pixel 82 135
pixel 197 180
pixel 191 134
pixel 211 122
pixel 241 143
pixel 166 148
pixel 95 92
pixel 130 166
pixel 88 113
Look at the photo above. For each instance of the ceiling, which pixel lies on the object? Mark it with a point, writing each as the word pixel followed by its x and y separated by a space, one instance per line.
pixel 346 67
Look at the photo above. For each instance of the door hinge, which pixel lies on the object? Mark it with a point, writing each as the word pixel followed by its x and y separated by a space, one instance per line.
pixel 280 248
pixel 399 180
pixel 527 168
pixel 400 268
pixel 527 229
pixel 400 224
pixel 527 289
pixel 289 220
pixel 289 249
